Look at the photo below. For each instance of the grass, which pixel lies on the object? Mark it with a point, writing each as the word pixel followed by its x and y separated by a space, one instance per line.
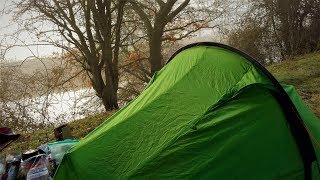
pixel 79 129
pixel 302 71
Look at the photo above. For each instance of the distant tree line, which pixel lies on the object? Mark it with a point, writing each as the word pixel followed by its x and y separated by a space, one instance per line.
pixel 272 30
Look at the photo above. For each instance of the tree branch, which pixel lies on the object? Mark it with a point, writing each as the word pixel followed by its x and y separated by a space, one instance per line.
pixel 177 10
pixel 144 17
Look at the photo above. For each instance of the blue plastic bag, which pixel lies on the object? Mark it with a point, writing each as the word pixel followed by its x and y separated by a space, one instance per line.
pixel 59 148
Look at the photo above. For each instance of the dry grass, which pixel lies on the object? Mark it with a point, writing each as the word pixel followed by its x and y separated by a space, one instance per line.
pixel 304 73
pixel 79 129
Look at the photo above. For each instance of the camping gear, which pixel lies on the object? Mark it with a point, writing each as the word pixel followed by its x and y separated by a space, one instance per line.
pixel 35 160
pixel 62 132
pixel 9 168
pixel 13 166
pixel 44 148
pixel 7 137
pixel 59 148
pixel 2 168
pixel 31 153
pixel 212 112
pixel 36 167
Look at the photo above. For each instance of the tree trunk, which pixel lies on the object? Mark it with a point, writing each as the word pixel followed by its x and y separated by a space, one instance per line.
pixel 106 91
pixel 109 97
pixel 155 51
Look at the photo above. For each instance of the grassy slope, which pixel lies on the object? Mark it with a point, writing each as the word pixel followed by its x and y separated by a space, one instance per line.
pixel 302 71
pixel 79 129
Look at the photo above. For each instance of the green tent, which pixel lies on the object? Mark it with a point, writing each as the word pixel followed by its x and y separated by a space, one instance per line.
pixel 211 113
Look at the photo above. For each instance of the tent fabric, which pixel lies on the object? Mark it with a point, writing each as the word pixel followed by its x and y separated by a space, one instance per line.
pixel 59 148
pixel 309 118
pixel 209 113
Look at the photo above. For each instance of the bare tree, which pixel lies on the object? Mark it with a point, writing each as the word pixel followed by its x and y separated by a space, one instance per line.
pixel 35 95
pixel 23 97
pixel 282 28
pixel 93 28
pixel 100 30
pixel 173 20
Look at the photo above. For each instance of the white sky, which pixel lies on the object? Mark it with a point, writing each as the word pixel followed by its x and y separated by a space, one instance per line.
pixel 7 27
